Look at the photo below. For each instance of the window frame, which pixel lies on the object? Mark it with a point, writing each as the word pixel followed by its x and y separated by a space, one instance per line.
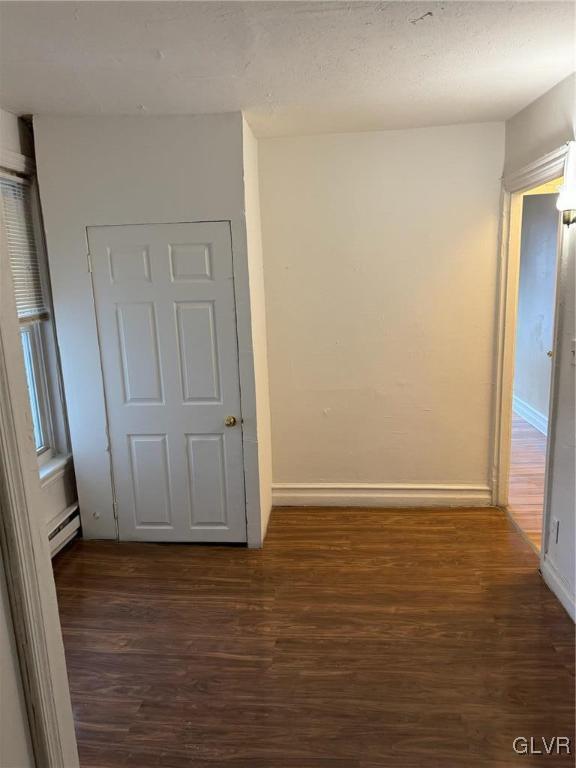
pixel 39 371
pixel 45 360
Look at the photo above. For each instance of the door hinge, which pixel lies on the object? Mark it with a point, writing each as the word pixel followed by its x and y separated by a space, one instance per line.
pixel 89 260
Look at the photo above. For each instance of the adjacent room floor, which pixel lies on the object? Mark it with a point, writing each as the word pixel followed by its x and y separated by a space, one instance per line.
pixel 355 639
pixel 527 469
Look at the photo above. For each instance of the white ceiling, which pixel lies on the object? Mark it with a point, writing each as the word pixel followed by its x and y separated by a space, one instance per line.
pixel 295 67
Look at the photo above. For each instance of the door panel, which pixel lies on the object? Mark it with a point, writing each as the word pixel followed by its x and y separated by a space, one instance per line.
pixel 151 479
pixel 164 298
pixel 196 326
pixel 138 341
pixel 191 261
pixel 208 497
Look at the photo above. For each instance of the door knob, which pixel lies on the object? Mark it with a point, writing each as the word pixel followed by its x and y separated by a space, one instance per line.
pixel 230 421
pixel 549 353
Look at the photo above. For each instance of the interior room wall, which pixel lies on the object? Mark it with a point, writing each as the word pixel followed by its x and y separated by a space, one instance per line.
pixel 536 297
pixel 15 135
pixel 542 126
pixel 258 314
pixel 15 743
pixel 559 560
pixel 380 267
pixel 34 621
pixel 129 170
pixel 58 488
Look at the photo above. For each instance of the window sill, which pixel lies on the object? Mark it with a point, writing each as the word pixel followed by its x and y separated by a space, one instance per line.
pixel 54 468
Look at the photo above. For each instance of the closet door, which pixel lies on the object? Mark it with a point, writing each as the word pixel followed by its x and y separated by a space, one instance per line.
pixel 164 298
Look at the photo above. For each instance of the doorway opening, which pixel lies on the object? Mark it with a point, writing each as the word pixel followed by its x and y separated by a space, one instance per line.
pixel 538 230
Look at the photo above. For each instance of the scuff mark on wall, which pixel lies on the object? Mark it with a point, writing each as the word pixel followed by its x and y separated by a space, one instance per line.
pixel 421 18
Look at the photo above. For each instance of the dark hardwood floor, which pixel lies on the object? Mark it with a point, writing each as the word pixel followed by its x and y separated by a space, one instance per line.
pixel 355 639
pixel 527 470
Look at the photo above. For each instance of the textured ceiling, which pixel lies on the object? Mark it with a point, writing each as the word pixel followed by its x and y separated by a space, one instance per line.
pixel 294 67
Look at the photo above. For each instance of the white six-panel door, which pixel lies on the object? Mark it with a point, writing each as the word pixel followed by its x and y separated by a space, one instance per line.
pixel 164 298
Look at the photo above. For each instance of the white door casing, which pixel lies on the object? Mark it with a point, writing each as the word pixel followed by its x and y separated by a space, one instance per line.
pixel 165 309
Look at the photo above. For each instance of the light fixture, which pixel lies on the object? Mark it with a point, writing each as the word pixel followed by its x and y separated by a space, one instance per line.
pixel 566 202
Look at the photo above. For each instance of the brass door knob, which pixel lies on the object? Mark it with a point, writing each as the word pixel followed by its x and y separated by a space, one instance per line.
pixel 549 353
pixel 230 421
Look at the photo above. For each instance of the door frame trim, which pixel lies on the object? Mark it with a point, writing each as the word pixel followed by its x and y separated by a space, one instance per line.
pixel 26 555
pixel 544 169
pixel 251 540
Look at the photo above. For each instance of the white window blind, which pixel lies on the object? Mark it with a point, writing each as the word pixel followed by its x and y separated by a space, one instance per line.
pixel 22 252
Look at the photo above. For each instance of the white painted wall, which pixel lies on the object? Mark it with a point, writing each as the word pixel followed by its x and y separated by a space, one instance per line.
pixel 380 266
pixel 36 593
pixel 560 562
pixel 15 135
pixel 536 298
pixel 58 487
pixel 542 126
pixel 258 305
pixel 129 170
pixel 15 744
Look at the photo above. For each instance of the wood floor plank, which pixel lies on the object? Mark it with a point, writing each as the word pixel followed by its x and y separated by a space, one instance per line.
pixel 355 639
pixel 527 471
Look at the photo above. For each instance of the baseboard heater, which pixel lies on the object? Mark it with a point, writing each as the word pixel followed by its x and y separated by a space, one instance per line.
pixel 63 528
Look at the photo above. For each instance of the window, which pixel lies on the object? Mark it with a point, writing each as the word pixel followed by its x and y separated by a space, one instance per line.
pixel 33 309
pixel 37 388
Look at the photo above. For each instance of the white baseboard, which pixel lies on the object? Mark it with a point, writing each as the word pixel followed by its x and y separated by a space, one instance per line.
pixel 557 585
pixel 62 538
pixel 538 420
pixel 379 495
pixel 63 528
